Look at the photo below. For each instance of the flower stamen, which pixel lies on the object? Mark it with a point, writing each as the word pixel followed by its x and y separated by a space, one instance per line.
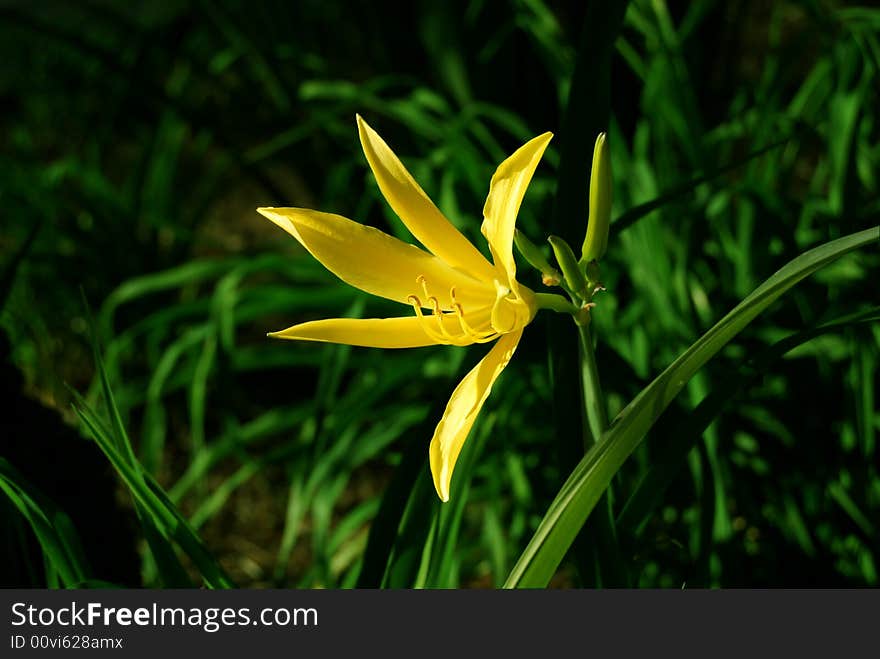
pixel 438 314
pixel 475 335
pixel 432 333
pixel 441 333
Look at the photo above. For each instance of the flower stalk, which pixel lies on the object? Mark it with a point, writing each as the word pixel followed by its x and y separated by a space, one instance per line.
pixel 594 400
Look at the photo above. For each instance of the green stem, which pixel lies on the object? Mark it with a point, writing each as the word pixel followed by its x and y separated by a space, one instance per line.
pixel 594 401
pixel 612 570
pixel 586 114
pixel 555 303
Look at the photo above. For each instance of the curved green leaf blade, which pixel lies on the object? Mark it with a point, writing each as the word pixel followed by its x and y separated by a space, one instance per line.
pixel 580 493
pixel 51 526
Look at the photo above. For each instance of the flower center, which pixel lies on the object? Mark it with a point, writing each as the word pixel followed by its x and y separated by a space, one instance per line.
pixel 450 327
pixel 453 326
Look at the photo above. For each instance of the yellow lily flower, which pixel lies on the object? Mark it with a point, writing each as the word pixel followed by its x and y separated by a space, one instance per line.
pixel 456 295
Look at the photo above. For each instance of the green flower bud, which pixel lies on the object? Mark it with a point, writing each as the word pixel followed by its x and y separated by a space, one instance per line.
pixel 571 269
pixel 592 272
pixel 596 239
pixel 534 257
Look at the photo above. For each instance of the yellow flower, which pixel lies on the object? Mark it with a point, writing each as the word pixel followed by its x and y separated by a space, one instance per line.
pixel 457 297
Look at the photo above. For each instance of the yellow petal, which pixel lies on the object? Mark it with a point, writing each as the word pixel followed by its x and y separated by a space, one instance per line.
pixel 378 263
pixel 462 410
pixel 506 193
pixel 416 210
pixel 407 332
pixel 367 332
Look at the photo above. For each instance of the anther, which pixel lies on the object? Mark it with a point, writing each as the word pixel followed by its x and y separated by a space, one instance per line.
pixel 417 307
pixel 424 282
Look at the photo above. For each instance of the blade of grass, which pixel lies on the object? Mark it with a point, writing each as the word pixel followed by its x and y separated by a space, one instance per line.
pixel 410 554
pixel 119 435
pixel 168 566
pixel 384 529
pixel 54 531
pixel 156 507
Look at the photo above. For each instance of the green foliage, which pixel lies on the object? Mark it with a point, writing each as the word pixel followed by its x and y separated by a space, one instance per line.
pixel 584 488
pixel 138 140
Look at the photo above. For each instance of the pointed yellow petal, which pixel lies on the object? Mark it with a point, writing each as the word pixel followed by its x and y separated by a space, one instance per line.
pixel 375 262
pixel 407 332
pixel 367 332
pixel 416 210
pixel 506 193
pixel 462 410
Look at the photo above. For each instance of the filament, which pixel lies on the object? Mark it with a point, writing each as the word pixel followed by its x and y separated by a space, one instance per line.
pixel 475 335
pixel 439 331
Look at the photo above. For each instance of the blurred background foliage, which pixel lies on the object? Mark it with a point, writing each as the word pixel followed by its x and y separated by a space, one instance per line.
pixel 137 140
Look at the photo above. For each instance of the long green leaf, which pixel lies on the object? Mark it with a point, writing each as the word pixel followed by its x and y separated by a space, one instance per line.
pixel 152 500
pixel 52 527
pixel 583 489
pixel 170 570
